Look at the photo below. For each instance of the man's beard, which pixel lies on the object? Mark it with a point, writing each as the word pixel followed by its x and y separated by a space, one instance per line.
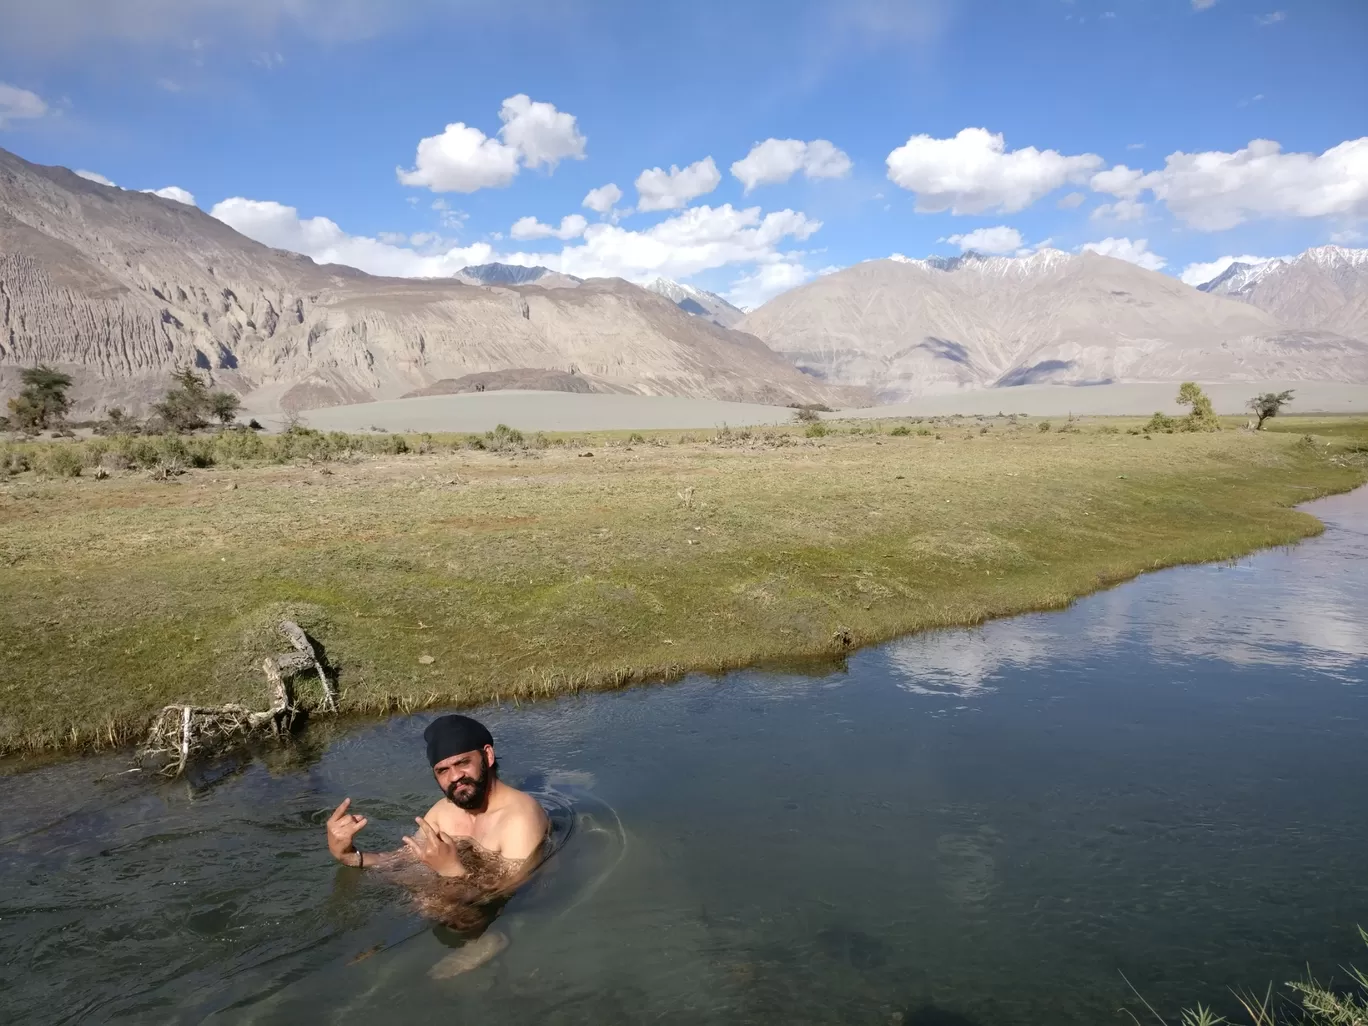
pixel 472 797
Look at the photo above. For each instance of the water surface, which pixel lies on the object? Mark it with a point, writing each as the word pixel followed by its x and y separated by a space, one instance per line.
pixel 982 827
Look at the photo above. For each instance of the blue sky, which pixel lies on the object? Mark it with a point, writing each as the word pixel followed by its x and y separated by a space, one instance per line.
pixel 278 114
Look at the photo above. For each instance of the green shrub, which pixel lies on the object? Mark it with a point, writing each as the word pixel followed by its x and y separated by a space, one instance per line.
pixel 1043 426
pixel 1161 422
pixel 901 430
pixel 13 460
pixel 635 438
pixel 817 430
pixel 60 461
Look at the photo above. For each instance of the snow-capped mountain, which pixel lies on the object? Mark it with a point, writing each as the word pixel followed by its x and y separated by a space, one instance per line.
pixel 1324 288
pixel 905 327
pixel 699 302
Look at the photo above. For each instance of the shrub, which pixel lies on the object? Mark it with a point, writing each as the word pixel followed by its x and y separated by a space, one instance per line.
pixel 1044 426
pixel 806 415
pixel 60 461
pixel 1161 422
pixel 901 430
pixel 817 430
pixel 636 438
pixel 13 460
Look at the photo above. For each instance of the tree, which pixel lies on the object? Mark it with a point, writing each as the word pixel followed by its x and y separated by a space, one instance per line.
pixel 1269 404
pixel 1201 416
pixel 224 406
pixel 42 402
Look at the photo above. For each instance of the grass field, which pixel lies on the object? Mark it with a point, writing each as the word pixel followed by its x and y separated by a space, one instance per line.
pixel 459 575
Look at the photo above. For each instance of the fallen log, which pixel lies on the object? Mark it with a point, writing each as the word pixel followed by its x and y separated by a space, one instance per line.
pixel 181 731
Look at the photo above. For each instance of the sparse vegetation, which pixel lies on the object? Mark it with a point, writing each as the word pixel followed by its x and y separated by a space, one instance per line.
pixel 1161 422
pixel 901 430
pixel 42 402
pixel 190 404
pixel 1269 404
pixel 135 591
pixel 1201 415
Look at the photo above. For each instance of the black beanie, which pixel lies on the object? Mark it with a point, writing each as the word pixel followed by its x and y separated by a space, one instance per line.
pixel 451 735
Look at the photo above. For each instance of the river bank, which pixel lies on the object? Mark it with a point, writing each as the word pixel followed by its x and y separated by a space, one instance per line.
pixel 460 576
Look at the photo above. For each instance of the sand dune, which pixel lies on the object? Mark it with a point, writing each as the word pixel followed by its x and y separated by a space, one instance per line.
pixel 564 411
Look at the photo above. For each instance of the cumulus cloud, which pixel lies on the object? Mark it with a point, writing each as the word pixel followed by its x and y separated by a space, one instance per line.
pixel 672 189
pixel 603 199
pixel 280 226
pixel 19 104
pixel 174 192
pixel 767 281
pixel 777 160
pixel 974 172
pixel 999 239
pixel 94 176
pixel 1214 191
pixel 464 159
pixel 1121 210
pixel 1132 251
pixel 542 134
pixel 1202 272
pixel 571 227
pixel 695 240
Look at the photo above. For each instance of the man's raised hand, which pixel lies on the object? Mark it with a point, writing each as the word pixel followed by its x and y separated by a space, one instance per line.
pixel 342 827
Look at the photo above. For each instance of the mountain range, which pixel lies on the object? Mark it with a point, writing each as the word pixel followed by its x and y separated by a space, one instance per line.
pixel 1325 287
pixel 121 287
pixel 909 327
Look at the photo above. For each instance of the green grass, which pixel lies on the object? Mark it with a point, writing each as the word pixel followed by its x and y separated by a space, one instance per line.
pixel 532 572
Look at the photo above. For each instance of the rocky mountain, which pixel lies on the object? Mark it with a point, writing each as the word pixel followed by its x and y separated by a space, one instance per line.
pixel 120 287
pixel 514 274
pixel 1325 288
pixel 699 302
pixel 909 327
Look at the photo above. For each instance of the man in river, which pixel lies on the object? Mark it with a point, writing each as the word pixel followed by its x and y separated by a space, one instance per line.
pixel 471 850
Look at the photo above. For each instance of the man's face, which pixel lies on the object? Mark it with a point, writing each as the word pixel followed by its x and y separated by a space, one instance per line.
pixel 465 778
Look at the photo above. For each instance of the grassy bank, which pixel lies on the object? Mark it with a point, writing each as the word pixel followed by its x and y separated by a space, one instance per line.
pixel 530 568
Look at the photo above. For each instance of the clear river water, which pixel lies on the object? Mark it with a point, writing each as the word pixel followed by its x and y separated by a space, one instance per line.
pixel 1165 784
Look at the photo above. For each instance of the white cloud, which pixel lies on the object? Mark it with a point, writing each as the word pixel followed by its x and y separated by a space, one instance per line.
pixel 1121 210
pixel 1348 237
pixel 571 227
pixel 542 134
pixel 765 282
pixel 278 225
pixel 19 104
pixel 973 172
pixel 1271 18
pixel 1202 5
pixel 1071 201
pixel 603 199
pixel 1202 272
pixel 777 160
pixel 1000 239
pixel 174 192
pixel 461 159
pixel 94 176
pixel 669 190
pixel 1135 252
pixel 695 240
pixel 1214 191
pixel 464 159
pixel 900 258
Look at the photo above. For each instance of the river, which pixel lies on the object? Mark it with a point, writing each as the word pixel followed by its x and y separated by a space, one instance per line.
pixel 974 827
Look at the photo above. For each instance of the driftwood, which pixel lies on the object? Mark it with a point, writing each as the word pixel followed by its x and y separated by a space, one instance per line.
pixel 180 731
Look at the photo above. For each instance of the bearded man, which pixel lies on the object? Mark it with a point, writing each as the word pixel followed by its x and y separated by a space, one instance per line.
pixel 471 849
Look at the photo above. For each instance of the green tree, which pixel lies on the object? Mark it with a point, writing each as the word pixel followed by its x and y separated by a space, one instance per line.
pixel 1269 404
pixel 42 402
pixel 186 405
pixel 224 406
pixel 1201 416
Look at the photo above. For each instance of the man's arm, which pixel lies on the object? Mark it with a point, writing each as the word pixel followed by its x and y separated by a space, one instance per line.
pixel 342 830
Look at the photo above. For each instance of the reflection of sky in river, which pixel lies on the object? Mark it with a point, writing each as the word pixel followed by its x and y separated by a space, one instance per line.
pixel 1300 608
